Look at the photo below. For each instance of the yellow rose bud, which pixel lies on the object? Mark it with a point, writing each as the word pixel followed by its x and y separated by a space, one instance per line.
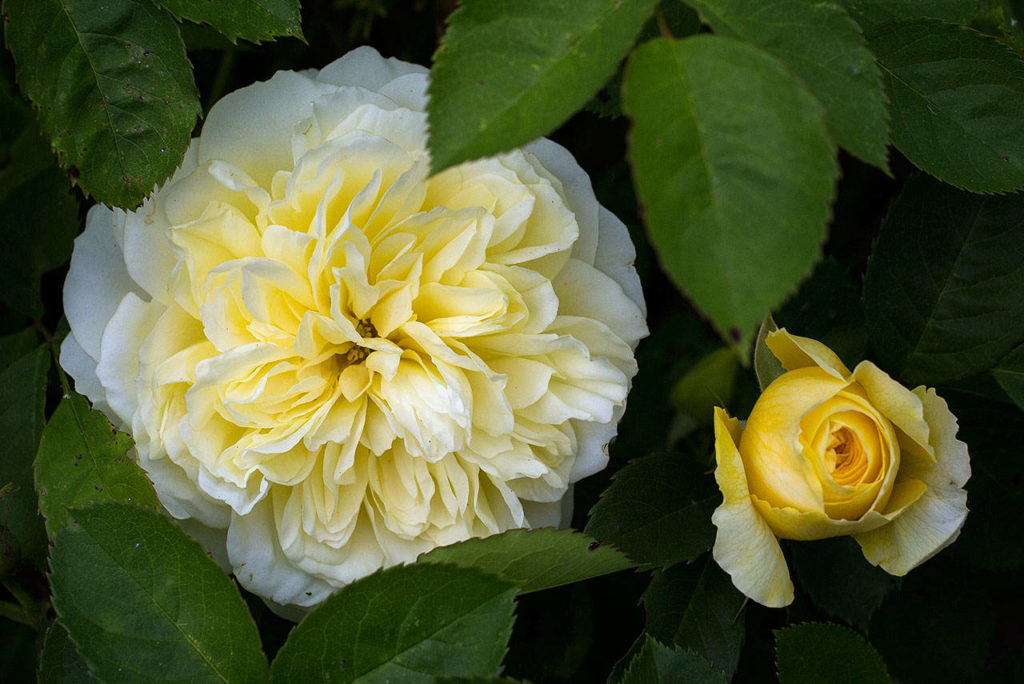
pixel 826 452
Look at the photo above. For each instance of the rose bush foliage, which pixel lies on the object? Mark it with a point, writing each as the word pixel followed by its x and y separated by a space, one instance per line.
pixel 828 452
pixel 331 362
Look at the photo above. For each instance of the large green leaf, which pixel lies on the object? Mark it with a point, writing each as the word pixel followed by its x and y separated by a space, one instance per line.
pixel 534 559
pixel 1010 375
pixel 143 602
pixel 938 627
pixel 659 663
pixel 814 653
pixel 838 579
pixel 735 169
pixel 83 459
pixel 254 20
pixel 658 510
pixel 956 99
pixel 873 12
pixel 993 535
pixel 409 623
pixel 821 44
pixel 944 290
pixel 22 400
pixel 697 607
pixel 38 222
pixel 59 662
pixel 510 71
pixel 113 87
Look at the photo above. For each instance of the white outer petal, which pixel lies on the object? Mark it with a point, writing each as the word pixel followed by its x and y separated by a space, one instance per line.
pixel 82 368
pixel 98 279
pixel 252 127
pixel 578 192
pixel 615 256
pixel 587 292
pixel 261 566
pixel 118 367
pixel 365 67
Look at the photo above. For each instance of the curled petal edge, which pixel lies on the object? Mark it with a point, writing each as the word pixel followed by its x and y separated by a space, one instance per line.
pixel 745 546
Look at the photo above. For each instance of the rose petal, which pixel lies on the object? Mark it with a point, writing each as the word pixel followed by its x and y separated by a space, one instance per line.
pixel 82 369
pixel 745 546
pixel 933 522
pixel 795 352
pixel 899 405
pixel 268 112
pixel 97 280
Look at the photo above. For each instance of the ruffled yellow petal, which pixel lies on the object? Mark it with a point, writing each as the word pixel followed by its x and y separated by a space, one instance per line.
pixel 933 521
pixel 901 406
pixel 745 546
pixel 802 352
pixel 789 523
pixel 776 468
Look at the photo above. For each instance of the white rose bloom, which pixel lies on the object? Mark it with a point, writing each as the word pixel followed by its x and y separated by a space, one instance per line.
pixel 331 362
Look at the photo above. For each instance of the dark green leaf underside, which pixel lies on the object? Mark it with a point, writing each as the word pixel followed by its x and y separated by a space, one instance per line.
pixel 956 99
pixel 658 510
pixel 827 654
pixel 697 607
pixel 944 290
pixel 659 663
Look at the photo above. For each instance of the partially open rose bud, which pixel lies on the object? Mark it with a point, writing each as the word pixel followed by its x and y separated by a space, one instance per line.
pixel 826 452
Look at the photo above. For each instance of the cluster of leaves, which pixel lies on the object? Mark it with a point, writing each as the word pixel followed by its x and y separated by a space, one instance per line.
pixel 886 135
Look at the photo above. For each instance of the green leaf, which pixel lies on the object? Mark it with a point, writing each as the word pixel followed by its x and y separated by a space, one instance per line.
pixel 255 20
pixel 766 366
pixel 16 345
pixel 22 402
pixel 938 627
pixel 838 578
pixel 723 133
pixel 658 663
pixel 821 44
pixel 658 510
pixel 944 290
pixel 59 661
pixel 534 559
pixel 113 87
pixel 82 459
pixel 510 71
pixel 956 99
pixel 874 12
pixel 993 536
pixel 38 222
pixel 142 601
pixel 707 384
pixel 697 607
pixel 1010 375
pixel 408 623
pixel 815 653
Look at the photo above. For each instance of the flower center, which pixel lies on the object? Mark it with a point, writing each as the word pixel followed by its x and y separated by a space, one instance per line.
pixel 357 353
pixel 844 456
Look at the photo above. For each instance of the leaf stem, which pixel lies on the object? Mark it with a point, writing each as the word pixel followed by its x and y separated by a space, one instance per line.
pixel 663 23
